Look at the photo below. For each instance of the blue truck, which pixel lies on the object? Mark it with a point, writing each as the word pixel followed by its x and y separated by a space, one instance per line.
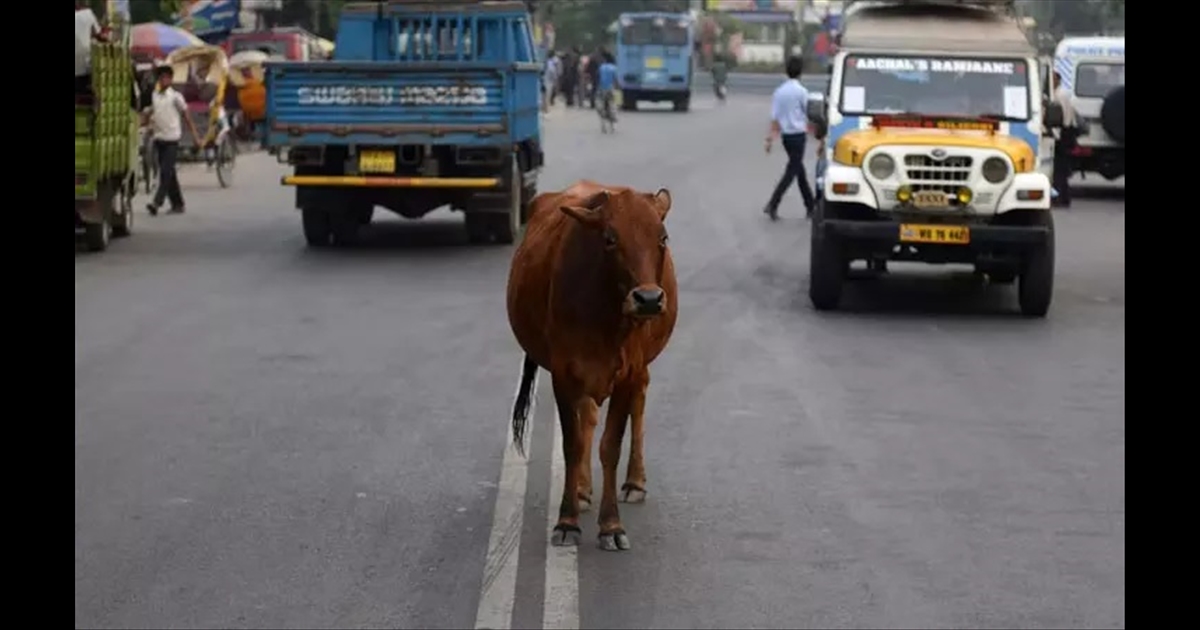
pixel 425 104
pixel 654 58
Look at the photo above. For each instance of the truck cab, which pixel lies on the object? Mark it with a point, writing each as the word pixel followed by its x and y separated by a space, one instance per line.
pixel 1093 71
pixel 425 104
pixel 935 138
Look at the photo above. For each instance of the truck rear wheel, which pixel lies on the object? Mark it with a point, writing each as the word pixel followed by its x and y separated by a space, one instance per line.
pixel 317 228
pixel 97 236
pixel 345 223
pixel 506 227
pixel 123 221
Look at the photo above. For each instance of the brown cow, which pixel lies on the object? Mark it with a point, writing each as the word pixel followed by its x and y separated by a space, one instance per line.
pixel 592 299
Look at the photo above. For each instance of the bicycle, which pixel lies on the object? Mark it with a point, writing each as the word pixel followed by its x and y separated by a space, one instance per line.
pixel 608 119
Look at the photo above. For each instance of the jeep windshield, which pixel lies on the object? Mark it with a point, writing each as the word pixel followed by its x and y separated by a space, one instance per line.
pixel 1096 80
pixel 935 86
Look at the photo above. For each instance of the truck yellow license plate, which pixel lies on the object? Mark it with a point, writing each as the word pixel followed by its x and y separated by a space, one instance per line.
pixel 377 162
pixel 937 234
pixel 930 199
pixel 654 63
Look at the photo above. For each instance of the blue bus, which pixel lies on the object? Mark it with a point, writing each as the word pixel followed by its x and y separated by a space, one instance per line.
pixel 654 58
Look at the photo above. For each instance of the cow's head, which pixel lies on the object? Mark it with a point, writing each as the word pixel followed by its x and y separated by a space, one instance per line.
pixel 635 243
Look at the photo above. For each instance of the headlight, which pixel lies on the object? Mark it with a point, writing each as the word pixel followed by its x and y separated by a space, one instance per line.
pixel 995 170
pixel 881 166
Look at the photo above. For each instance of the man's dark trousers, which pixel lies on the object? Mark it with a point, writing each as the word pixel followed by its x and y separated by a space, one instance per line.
pixel 1063 159
pixel 793 145
pixel 168 178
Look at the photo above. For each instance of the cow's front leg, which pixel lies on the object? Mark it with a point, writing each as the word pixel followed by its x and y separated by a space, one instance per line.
pixel 612 532
pixel 588 419
pixel 568 398
pixel 634 489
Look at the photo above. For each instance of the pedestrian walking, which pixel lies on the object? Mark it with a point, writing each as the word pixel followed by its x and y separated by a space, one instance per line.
pixel 167 116
pixel 1064 145
pixel 606 85
pixel 789 122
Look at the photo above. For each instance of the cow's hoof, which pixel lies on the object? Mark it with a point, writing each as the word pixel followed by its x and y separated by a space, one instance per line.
pixel 631 493
pixel 614 541
pixel 566 535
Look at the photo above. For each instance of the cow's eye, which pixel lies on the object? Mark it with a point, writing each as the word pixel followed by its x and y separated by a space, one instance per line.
pixel 610 240
pixel 662 240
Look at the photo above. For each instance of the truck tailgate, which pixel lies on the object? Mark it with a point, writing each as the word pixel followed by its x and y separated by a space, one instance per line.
pixel 343 103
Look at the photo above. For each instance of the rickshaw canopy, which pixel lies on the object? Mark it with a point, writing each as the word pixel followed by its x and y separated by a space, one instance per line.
pixel 209 60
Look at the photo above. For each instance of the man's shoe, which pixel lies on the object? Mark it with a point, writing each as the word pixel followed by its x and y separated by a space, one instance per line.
pixel 771 211
pixel 152 209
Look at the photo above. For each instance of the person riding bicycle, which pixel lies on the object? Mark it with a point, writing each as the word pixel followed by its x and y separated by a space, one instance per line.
pixel 720 72
pixel 606 84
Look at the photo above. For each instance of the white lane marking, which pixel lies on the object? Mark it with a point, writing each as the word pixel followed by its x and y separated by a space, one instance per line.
pixel 499 590
pixel 560 606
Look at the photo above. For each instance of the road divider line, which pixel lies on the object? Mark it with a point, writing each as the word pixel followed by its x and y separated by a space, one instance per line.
pixel 499 588
pixel 560 606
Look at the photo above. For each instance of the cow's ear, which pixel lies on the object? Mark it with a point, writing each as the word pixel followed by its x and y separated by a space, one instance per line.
pixel 662 201
pixel 588 211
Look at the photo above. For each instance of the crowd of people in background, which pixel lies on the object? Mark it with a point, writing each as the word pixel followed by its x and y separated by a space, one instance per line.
pixel 573 76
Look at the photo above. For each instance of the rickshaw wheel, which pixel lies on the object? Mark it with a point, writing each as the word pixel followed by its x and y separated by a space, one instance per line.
pixel 226 156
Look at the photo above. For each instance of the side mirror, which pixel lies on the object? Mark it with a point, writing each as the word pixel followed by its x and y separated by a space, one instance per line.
pixel 1052 117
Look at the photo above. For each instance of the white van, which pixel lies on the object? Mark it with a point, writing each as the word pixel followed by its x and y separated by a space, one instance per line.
pixel 1093 70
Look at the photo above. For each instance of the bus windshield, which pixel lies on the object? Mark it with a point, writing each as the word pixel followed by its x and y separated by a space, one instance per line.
pixel 976 87
pixel 654 31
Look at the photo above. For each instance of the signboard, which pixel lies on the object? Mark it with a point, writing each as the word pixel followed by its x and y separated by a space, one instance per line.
pixel 940 122
pixel 379 96
pixel 208 17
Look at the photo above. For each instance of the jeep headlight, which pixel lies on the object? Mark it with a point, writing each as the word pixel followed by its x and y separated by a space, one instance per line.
pixel 995 170
pixel 881 166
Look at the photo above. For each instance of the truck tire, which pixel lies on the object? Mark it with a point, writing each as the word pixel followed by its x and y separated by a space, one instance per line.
pixel 1112 114
pixel 683 104
pixel 1035 285
pixel 827 266
pixel 123 221
pixel 345 224
pixel 97 236
pixel 506 228
pixel 317 227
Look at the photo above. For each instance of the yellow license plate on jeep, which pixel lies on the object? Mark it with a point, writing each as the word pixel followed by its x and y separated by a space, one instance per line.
pixel 935 234
pixel 377 162
pixel 654 63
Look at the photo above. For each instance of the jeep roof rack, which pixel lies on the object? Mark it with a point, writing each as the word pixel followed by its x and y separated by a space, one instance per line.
pixel 941 26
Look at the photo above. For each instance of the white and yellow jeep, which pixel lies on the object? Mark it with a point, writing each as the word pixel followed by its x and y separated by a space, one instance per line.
pixel 936 150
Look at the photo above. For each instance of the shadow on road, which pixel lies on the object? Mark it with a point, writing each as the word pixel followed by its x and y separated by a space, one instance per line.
pixel 958 294
pixel 424 237
pixel 1101 191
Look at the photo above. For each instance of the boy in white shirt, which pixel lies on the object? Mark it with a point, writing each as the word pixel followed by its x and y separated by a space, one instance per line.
pixel 167 116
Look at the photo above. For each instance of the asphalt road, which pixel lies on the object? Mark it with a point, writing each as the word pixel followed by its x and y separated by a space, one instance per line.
pixel 747 83
pixel 267 436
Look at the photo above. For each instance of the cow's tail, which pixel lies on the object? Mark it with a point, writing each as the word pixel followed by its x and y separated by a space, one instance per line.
pixel 523 405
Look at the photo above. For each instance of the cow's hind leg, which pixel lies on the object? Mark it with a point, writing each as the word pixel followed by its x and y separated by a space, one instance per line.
pixel 634 489
pixel 568 399
pixel 612 533
pixel 587 422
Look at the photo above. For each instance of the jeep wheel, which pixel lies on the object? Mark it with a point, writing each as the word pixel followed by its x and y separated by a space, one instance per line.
pixel 1035 288
pixel 827 266
pixel 317 228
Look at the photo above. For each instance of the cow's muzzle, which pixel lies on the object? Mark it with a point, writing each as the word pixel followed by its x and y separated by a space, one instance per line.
pixel 646 302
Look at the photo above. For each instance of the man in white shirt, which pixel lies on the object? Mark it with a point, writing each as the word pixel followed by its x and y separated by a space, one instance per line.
pixel 1066 139
pixel 789 122
pixel 167 116
pixel 87 28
